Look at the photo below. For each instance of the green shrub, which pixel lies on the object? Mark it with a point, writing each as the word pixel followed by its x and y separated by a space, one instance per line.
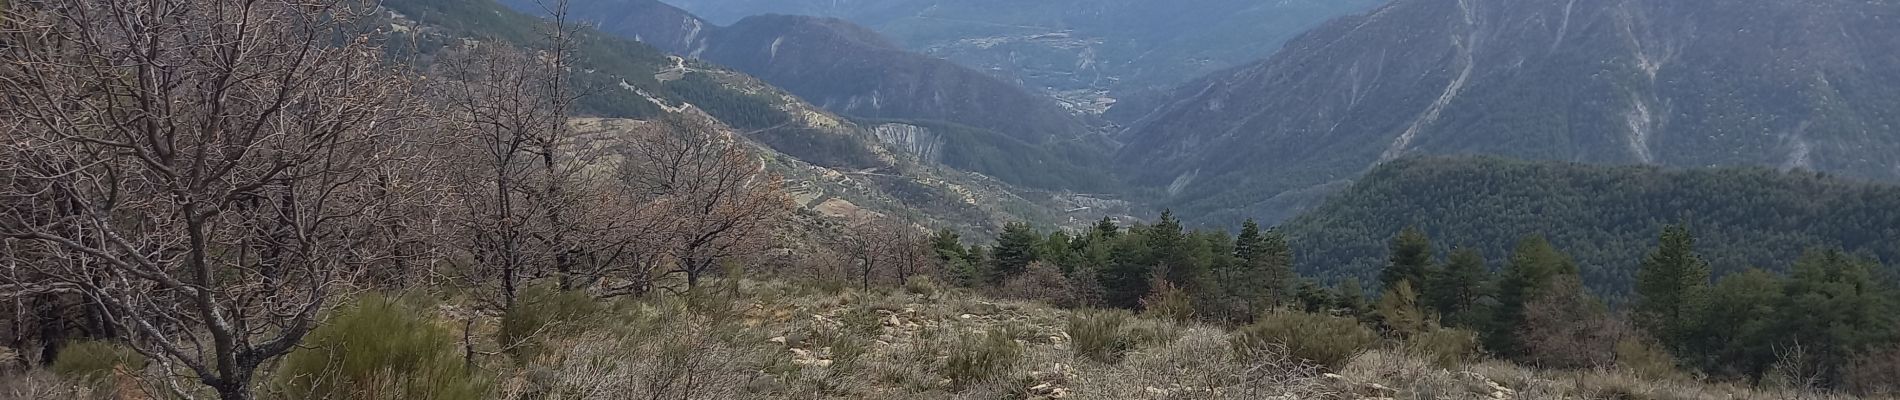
pixel 861 320
pixel 1098 335
pixel 1445 348
pixel 379 349
pixel 1322 340
pixel 94 361
pixel 1105 335
pixel 543 313
pixel 1644 359
pixel 923 286
pixel 977 358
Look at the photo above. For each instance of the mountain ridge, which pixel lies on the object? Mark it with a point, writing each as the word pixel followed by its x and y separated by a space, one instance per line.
pixel 1797 85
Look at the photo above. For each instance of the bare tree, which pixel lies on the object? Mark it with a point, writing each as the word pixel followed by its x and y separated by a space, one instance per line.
pixel 209 173
pixel 886 246
pixel 521 179
pixel 506 117
pixel 722 204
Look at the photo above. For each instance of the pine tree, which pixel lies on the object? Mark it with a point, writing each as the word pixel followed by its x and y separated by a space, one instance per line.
pixel 1836 309
pixel 1015 249
pixel 1125 279
pixel 1106 228
pixel 1455 292
pixel 1262 275
pixel 1410 260
pixel 1172 252
pixel 1058 249
pixel 954 259
pixel 1400 314
pixel 975 267
pixel 1671 287
pixel 1739 336
pixel 1533 266
pixel 947 246
pixel 1313 298
pixel 1352 298
pixel 1276 262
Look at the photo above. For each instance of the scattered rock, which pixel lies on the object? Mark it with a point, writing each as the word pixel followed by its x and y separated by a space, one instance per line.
pixel 1367 390
pixel 807 358
pixel 1481 385
pixel 1042 389
pixel 1377 390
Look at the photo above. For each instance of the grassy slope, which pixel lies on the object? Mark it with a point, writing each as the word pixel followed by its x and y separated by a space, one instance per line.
pixel 779 340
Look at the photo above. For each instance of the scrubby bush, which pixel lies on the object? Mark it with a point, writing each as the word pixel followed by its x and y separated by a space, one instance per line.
pixel 1875 373
pixel 1098 335
pixel 1445 348
pixel 1040 282
pixel 37 384
pixel 1105 335
pixel 1322 340
pixel 1168 302
pixel 1645 359
pixel 93 362
pixel 544 313
pixel 924 286
pixel 379 349
pixel 977 358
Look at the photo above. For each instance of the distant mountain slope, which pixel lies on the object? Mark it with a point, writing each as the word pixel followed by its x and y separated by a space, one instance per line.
pixel 1020 137
pixel 837 65
pixel 854 71
pixel 833 166
pixel 1606 217
pixel 1792 84
pixel 1077 49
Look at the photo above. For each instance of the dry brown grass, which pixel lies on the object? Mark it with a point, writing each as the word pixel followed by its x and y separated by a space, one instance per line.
pixel 776 340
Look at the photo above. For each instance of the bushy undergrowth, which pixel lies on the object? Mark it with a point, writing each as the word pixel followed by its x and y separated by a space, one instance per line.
pixel 1098 336
pixel 1323 340
pixel 541 314
pixel 780 340
pixel 94 361
pixel 104 369
pixel 379 348
pixel 1646 360
pixel 1168 302
pixel 976 358
pixel 1106 335
pixel 924 286
pixel 1445 348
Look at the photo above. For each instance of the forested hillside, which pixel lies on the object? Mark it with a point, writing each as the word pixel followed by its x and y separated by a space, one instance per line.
pixel 1606 217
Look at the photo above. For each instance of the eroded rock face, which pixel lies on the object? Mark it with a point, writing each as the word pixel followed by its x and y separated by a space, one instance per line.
pixel 915 140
